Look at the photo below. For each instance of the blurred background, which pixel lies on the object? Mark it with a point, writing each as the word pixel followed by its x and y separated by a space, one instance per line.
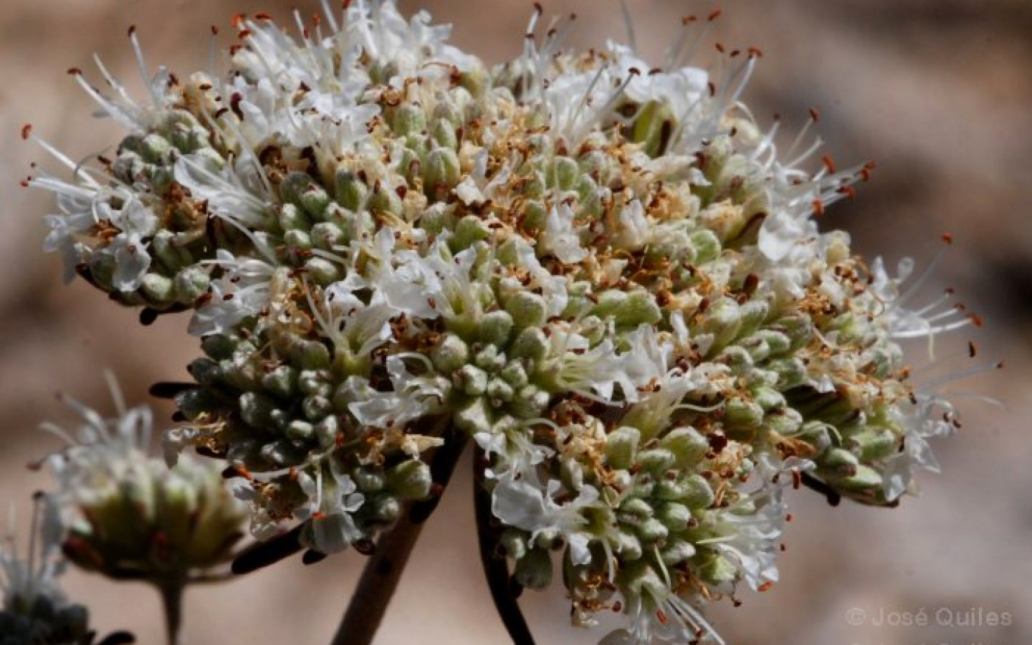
pixel 937 92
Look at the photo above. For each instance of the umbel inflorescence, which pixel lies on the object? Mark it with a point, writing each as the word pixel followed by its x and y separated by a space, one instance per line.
pixel 606 275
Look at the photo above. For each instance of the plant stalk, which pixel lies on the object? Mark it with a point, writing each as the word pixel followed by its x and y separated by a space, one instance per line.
pixel 383 571
pixel 172 602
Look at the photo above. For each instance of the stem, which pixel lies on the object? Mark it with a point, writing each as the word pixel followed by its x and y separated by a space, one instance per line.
pixel 172 601
pixel 504 590
pixel 383 571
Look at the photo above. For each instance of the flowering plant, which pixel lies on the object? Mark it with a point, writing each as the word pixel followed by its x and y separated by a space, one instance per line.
pixel 606 277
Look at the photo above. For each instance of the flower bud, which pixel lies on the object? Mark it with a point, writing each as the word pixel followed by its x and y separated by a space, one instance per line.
pixel 534 569
pixel 622 447
pixel 349 191
pixel 440 173
pixel 527 309
pixel 687 445
pixel 450 354
pixel 410 480
pixel 495 328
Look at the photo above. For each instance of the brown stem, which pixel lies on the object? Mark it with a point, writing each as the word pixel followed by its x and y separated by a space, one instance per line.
pixel 172 602
pixel 383 570
pixel 504 590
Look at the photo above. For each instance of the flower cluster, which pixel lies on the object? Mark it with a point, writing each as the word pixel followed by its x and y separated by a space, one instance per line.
pixel 605 274
pixel 34 609
pixel 118 511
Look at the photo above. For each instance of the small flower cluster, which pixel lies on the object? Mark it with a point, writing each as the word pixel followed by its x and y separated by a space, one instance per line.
pixel 34 609
pixel 606 275
pixel 123 513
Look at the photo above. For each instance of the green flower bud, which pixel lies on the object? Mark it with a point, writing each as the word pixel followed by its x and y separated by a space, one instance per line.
pixel 191 283
pixel 385 200
pixel 742 415
pixel 514 375
pixel 628 545
pixel 652 530
pixel 218 346
pixel 677 551
pixel 534 216
pixel 316 407
pixel 754 313
pixel 471 379
pixel 313 355
pixel 495 328
pixel 674 516
pixel 440 173
pixel 527 309
pixel 530 402
pixel 872 444
pixel 697 492
pixel 326 431
pixel 349 191
pixel 410 480
pixel 534 569
pixel 640 308
pixel 530 345
pixel 490 359
pixel 499 391
pixel 863 479
pixel 314 382
pixel 785 422
pixel 565 173
pixel 450 354
pixel 722 319
pixel 656 460
pixel 205 371
pixel 840 461
pixel 513 544
pixel 687 444
pixel 637 507
pixel 157 288
pixel 706 245
pixel 322 271
pixel 470 230
pixel 297 240
pixel 168 252
pixel 299 430
pixel 437 217
pixel 369 480
pixel 409 118
pixel 622 447
pixel 443 134
pixel 155 149
pixel 291 218
pixel 791 372
pixel 326 235
pixel 386 509
pixel 256 409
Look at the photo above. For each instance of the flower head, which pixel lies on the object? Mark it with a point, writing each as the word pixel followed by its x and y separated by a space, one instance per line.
pixel 608 276
pixel 34 608
pixel 123 513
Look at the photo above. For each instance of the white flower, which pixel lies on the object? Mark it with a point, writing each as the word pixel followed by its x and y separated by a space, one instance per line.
pixel 243 290
pixel 522 503
pixel 23 580
pixel 333 501
pixel 657 613
pixel 561 237
pixel 413 397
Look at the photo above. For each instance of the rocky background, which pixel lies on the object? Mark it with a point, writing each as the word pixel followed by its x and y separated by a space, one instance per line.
pixel 936 91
